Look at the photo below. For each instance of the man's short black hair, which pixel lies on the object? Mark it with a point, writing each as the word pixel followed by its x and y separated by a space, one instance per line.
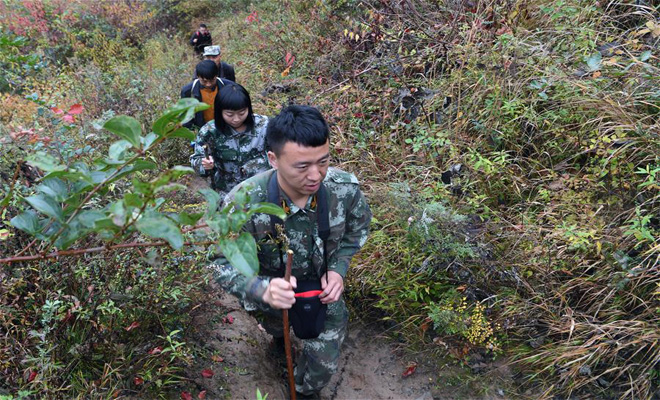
pixel 206 69
pixel 303 125
pixel 202 25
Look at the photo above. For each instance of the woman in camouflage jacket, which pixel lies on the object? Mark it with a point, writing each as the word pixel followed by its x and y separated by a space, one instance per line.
pixel 232 147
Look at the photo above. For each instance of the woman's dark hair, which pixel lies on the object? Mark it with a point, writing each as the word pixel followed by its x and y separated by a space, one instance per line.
pixel 232 96
pixel 206 69
pixel 303 125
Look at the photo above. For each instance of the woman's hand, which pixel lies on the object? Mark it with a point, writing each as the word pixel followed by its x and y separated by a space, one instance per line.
pixel 207 163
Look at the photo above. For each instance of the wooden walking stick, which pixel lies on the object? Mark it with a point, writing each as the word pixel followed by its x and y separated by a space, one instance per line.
pixel 287 338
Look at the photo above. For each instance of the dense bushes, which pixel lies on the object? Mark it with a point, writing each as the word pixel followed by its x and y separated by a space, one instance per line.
pixel 509 150
pixel 551 111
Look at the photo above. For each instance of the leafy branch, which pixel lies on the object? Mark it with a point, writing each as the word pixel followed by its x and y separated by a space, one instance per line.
pixel 74 201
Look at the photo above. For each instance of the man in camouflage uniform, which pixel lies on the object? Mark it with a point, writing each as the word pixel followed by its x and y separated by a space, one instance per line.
pixel 299 153
pixel 237 156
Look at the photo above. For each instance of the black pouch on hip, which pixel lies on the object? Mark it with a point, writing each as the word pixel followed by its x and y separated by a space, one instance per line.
pixel 307 315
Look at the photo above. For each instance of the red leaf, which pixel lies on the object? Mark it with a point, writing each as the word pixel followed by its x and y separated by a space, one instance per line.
pixel 208 373
pixel 228 319
pixel 138 381
pixel 411 369
pixel 202 394
pixel 57 110
pixel 132 326
pixel 289 59
pixel 156 350
pixel 186 395
pixel 69 118
pixel 33 374
pixel 76 109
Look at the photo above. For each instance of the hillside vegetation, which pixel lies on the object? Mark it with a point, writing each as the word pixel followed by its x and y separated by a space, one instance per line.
pixel 509 149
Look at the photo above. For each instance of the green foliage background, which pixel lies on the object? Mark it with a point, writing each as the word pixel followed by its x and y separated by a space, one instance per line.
pixel 540 249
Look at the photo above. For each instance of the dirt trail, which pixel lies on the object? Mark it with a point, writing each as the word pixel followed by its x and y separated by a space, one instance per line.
pixel 369 368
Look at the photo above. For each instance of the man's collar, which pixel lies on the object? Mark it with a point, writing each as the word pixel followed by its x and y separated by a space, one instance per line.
pixel 291 208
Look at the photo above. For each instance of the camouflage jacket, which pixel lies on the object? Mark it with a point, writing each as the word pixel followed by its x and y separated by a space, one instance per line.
pixel 237 156
pixel 349 217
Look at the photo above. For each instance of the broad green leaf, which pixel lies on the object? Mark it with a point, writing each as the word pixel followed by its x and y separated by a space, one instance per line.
pixel 241 252
pixel 186 103
pixel 45 162
pixel 98 176
pixel 118 149
pixel 267 208
pixel 238 218
pixel 594 62
pixel 148 140
pixel 55 188
pixel 189 219
pixel 78 172
pixel 118 213
pixel 161 227
pixel 89 218
pixel 46 205
pixel 171 174
pixel 183 133
pixel 213 199
pixel 180 112
pixel 5 201
pixel 106 224
pixel 27 222
pixel 125 127
pixel 220 223
pixel 138 165
pixel 69 236
pixel 645 56
pixel 141 187
pixel 170 187
pixel 133 200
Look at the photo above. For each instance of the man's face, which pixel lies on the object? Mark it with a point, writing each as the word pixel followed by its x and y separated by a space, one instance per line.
pixel 216 59
pixel 203 30
pixel 208 83
pixel 300 169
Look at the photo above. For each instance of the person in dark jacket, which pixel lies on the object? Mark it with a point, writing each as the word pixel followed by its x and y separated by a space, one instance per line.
pixel 225 70
pixel 201 38
pixel 204 89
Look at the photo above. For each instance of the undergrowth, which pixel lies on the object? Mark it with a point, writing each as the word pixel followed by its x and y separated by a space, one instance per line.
pixel 523 137
pixel 509 150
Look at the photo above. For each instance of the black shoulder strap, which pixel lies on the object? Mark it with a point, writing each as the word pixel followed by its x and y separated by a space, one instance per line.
pixel 322 215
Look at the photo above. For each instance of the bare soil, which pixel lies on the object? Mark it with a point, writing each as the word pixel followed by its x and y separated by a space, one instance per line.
pixel 235 348
pixel 232 345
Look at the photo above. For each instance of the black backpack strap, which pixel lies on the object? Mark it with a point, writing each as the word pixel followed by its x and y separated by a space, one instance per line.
pixel 323 221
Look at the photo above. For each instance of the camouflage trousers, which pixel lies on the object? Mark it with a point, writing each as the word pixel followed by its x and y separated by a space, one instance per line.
pixel 319 358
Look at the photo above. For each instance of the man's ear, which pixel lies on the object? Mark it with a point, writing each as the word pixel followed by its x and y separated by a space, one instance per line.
pixel 272 159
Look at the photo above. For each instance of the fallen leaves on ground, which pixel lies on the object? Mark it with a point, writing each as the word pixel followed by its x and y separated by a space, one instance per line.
pixel 410 370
